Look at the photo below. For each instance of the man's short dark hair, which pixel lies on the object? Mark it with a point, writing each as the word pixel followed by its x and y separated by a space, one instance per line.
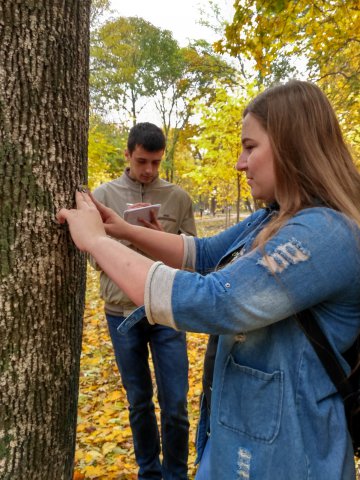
pixel 148 136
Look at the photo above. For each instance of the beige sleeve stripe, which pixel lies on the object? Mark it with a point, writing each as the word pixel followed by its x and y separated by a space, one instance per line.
pixel 158 289
pixel 189 253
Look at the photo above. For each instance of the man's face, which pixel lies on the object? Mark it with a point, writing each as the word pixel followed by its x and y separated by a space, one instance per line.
pixel 144 165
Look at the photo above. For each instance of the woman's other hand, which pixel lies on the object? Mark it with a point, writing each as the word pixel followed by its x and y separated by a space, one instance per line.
pixel 114 225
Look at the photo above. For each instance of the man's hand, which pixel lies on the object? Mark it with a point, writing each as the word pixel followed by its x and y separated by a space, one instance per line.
pixel 154 223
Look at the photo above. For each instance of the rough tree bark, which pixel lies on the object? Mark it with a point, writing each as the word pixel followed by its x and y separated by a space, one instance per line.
pixel 43 149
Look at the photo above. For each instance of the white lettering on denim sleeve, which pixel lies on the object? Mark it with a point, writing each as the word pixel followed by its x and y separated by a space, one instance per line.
pixel 289 253
pixel 243 463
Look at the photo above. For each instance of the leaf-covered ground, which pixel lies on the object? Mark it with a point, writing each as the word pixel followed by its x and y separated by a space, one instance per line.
pixel 104 443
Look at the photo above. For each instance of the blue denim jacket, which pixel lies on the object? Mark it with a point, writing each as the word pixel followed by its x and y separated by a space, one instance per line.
pixel 275 414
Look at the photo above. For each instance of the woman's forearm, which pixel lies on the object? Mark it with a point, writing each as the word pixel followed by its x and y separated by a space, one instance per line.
pixel 89 225
pixel 167 247
pixel 163 246
pixel 128 269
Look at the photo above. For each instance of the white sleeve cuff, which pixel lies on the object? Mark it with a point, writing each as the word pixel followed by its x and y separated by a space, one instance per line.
pixel 158 289
pixel 189 259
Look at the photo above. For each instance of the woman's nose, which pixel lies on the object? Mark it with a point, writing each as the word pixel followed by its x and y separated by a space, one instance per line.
pixel 241 164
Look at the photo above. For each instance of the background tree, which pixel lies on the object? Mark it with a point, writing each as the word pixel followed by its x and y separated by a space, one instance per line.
pixel 218 144
pixel 98 9
pixel 126 56
pixel 135 64
pixel 107 143
pixel 184 161
pixel 195 73
pixel 43 145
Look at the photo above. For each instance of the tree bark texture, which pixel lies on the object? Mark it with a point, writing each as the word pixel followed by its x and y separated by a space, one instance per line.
pixel 44 51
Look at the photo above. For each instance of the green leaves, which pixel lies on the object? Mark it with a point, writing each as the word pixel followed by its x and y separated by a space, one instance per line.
pixel 107 143
pixel 128 57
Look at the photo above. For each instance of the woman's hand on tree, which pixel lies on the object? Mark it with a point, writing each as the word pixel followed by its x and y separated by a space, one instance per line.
pixel 85 222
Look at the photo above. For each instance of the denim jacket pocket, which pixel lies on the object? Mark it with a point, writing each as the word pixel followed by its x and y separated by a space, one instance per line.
pixel 251 401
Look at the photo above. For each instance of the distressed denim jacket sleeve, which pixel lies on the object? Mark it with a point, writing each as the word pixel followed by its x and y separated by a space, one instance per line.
pixel 313 259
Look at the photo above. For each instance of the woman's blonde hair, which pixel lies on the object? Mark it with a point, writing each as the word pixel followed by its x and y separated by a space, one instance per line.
pixel 312 163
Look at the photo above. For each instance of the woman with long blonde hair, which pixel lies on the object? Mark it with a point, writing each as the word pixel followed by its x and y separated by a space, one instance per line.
pixel 311 160
pixel 272 412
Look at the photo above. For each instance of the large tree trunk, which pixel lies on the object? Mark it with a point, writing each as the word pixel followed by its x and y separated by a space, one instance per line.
pixel 43 149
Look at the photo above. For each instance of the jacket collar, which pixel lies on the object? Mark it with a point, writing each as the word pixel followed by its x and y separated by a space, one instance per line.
pixel 274 206
pixel 134 183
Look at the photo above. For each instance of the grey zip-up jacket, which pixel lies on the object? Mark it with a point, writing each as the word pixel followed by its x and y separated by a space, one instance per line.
pixel 175 215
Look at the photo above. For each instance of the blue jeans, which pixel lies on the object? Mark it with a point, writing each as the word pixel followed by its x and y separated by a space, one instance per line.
pixel 169 354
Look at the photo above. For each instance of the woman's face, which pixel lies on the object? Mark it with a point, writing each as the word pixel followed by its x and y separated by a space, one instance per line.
pixel 257 160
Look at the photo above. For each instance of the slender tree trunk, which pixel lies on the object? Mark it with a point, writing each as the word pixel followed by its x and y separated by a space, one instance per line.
pixel 43 149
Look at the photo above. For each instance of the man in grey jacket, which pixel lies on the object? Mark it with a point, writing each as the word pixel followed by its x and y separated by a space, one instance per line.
pixel 140 183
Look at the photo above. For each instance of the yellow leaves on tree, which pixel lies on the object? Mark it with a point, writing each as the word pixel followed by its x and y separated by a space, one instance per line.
pixel 106 146
pixel 320 38
pixel 219 146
